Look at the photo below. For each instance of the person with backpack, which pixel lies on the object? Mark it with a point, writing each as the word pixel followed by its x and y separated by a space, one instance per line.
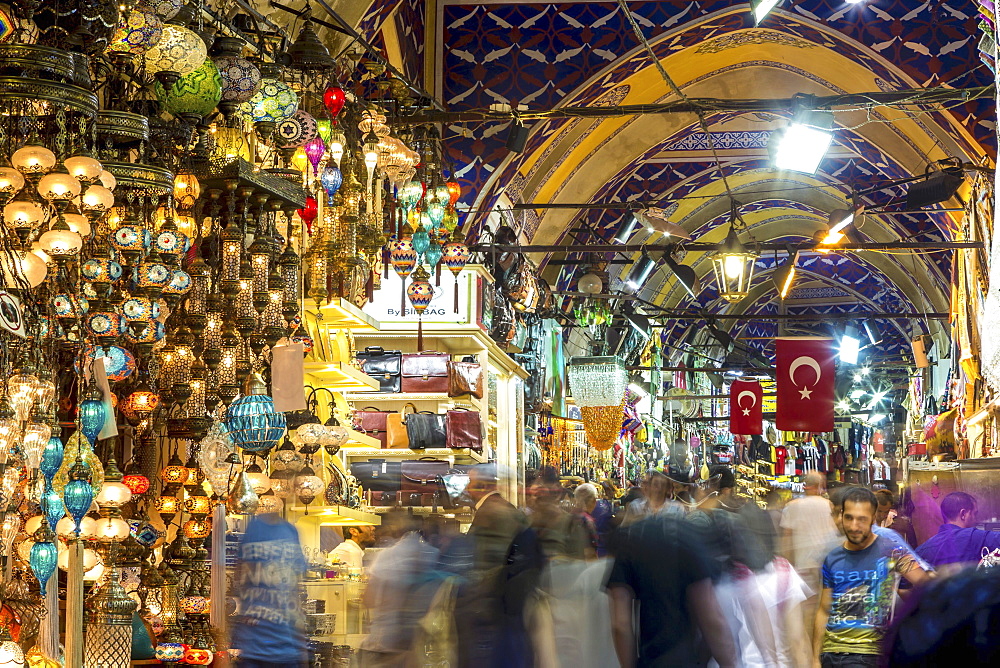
pixel 506 566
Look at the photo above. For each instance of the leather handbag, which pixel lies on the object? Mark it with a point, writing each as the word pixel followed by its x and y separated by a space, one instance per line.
pixel 426 430
pixel 383 365
pixel 465 377
pixel 377 475
pixel 425 372
pixel 421 475
pixel 373 422
pixel 395 429
pixel 464 429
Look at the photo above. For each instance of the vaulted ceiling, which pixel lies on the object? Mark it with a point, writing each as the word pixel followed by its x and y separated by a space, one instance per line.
pixel 472 54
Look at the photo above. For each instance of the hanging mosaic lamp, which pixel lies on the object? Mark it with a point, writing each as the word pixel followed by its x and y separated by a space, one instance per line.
pixel 93 412
pixel 138 31
pixel 331 179
pixel 297 130
pixel 403 258
pixel 193 95
pixel 44 555
pixel 240 78
pixel 420 293
pixel 252 422
pixel 11 655
pixel 334 99
pixel 455 255
pixel 272 103
pixel 179 51
pixel 78 493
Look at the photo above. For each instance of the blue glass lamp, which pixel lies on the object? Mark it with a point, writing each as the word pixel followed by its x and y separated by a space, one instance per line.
pixel 52 458
pixel 331 178
pixel 44 555
pixel 93 412
pixel 52 505
pixel 252 422
pixel 78 494
pixel 433 254
pixel 421 240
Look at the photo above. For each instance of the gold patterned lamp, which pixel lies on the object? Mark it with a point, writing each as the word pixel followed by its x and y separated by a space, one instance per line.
pixel 598 385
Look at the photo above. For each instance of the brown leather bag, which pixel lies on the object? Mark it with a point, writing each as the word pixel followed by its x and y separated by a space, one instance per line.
pixel 395 429
pixel 465 377
pixel 464 429
pixel 420 476
pixel 372 421
pixel 425 372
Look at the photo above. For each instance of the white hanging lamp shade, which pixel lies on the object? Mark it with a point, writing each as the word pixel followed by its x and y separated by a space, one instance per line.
pixel 598 380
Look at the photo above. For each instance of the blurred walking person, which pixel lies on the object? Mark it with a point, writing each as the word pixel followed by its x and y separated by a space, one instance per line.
pixel 269 625
pixel 958 543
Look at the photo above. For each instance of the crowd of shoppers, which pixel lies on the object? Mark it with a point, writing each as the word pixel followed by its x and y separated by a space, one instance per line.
pixel 679 575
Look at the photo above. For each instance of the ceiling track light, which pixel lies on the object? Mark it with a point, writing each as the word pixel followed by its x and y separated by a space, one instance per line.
pixel 761 8
pixel 655 220
pixel 938 186
pixel 850 345
pixel 803 143
pixel 641 271
pixel 627 229
pixel 784 278
pixel 686 276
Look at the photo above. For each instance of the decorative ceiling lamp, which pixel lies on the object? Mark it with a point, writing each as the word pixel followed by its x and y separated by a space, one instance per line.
pixel 252 422
pixel 307 486
pixel 192 95
pixel 240 78
pixel 44 555
pixel 733 262
pixel 138 31
pixel 598 385
pixel 11 655
pixel 273 102
pixel 179 51
pixel 403 257
pixel 420 293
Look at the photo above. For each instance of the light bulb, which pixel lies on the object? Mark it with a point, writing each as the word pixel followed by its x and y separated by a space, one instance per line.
pixel 733 266
pixel 336 150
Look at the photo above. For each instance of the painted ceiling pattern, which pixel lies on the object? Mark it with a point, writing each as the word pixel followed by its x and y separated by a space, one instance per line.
pixel 544 55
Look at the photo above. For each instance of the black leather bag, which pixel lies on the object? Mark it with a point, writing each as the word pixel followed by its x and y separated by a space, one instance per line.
pixel 426 430
pixel 384 365
pixel 377 475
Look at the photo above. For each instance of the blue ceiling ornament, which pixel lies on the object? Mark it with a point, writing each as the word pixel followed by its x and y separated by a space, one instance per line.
pixel 52 458
pixel 78 494
pixel 44 555
pixel 93 412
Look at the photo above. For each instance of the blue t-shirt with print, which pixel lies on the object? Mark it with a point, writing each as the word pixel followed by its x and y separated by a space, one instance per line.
pixel 863 583
pixel 269 623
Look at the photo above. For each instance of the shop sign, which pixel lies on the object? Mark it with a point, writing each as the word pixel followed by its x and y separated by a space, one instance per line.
pixel 386 306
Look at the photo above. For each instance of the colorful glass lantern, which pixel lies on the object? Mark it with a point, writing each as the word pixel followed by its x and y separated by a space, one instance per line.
pixel 106 325
pixel 140 404
pixel 307 485
pixel 101 271
pixel 331 179
pixel 139 308
pixel 198 656
pixel 421 240
pixel 455 255
pixel 170 652
pixel 136 482
pixel 403 256
pixel 78 493
pixel 93 412
pixel 179 51
pixel 296 130
pixel 197 528
pixel 194 94
pixel 174 473
pixel 334 99
pixel 166 504
pixel 454 192
pixel 70 306
pixel 138 31
pixel 52 458
pixel 173 242
pixel 240 78
pixel 44 556
pixel 309 212
pixel 314 149
pixel 52 506
pixel 420 293
pixel 179 285
pixel 130 238
pixel 273 102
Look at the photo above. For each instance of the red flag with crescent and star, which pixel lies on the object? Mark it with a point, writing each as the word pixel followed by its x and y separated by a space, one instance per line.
pixel 745 415
pixel 805 384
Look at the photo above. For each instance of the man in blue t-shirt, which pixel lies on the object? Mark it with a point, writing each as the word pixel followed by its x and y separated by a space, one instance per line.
pixel 859 587
pixel 958 543
pixel 268 631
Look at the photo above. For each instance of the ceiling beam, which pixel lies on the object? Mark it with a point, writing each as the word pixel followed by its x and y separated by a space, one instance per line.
pixel 703 246
pixel 915 96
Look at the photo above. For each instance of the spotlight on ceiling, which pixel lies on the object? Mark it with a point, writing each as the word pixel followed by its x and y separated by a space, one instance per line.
pixel 938 186
pixel 641 271
pixel 517 137
pixel 627 229
pixel 872 331
pixel 802 144
pixel 686 276
pixel 762 8
pixel 784 278
pixel 655 220
pixel 850 345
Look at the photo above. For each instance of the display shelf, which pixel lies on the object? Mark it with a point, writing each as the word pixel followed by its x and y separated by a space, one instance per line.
pixel 334 515
pixel 422 510
pixel 340 376
pixel 453 454
pixel 407 397
pixel 342 314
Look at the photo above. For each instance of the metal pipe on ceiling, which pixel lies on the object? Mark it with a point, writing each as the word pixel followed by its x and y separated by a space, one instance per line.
pixel 806 316
pixel 705 246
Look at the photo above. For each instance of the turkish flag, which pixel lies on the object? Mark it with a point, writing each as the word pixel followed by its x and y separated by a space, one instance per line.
pixel 805 384
pixel 745 414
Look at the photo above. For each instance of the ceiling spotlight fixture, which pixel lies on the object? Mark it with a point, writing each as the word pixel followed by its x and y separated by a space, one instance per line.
pixel 850 345
pixel 686 276
pixel 655 220
pixel 641 271
pixel 802 144
pixel 784 277
pixel 872 331
pixel 627 229
pixel 840 220
pixel 733 262
pixel 762 8
pixel 939 185
pixel 517 136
